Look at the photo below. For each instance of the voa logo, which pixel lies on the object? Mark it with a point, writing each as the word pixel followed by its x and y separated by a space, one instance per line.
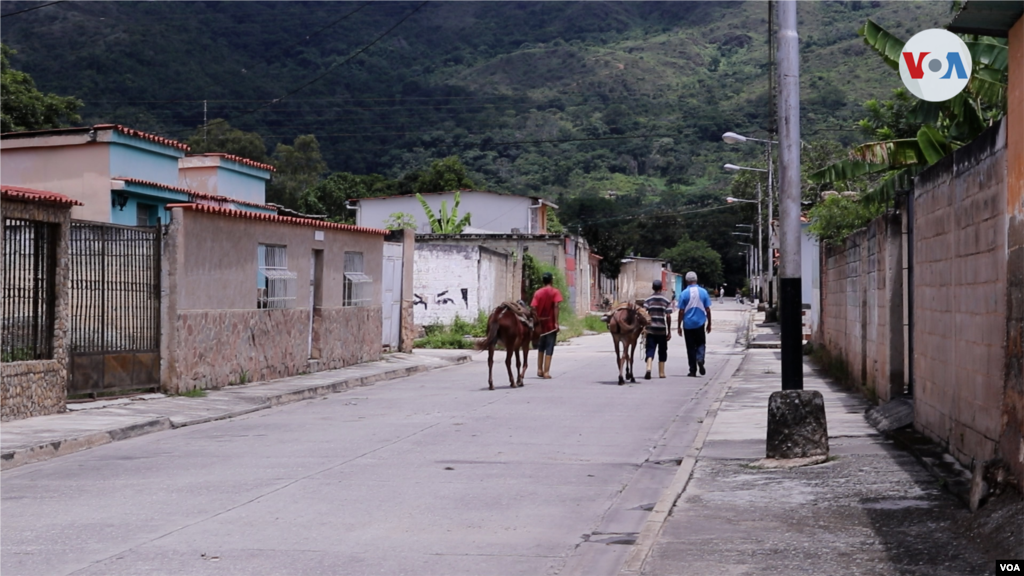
pixel 935 65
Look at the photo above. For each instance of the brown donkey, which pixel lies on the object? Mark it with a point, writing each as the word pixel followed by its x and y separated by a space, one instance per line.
pixel 512 325
pixel 626 323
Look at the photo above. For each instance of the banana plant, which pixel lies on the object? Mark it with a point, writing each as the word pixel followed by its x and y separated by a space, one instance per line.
pixel 446 223
pixel 944 126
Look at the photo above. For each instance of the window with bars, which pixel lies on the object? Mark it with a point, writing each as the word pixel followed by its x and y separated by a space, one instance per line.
pixel 275 284
pixel 29 289
pixel 358 286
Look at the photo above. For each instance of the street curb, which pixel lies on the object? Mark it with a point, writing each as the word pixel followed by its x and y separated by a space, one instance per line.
pixel 651 530
pixel 10 459
pixel 52 449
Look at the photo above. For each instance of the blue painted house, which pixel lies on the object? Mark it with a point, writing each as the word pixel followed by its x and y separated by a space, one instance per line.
pixel 128 177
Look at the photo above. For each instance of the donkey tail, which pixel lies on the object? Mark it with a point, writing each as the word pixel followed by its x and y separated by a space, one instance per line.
pixel 493 325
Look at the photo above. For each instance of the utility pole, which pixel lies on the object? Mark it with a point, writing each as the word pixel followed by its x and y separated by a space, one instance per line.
pixel 790 302
pixel 797 426
pixel 204 121
pixel 760 270
pixel 771 244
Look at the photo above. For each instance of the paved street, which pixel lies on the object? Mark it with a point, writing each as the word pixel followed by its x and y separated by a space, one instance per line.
pixel 431 474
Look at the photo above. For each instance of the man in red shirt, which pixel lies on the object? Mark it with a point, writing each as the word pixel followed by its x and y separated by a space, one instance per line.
pixel 545 304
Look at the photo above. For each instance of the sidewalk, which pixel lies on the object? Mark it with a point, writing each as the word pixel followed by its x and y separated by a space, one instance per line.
pixel 871 509
pixel 44 437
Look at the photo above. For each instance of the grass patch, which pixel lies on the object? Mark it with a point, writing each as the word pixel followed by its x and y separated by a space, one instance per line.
pixel 594 323
pixel 193 393
pixel 453 336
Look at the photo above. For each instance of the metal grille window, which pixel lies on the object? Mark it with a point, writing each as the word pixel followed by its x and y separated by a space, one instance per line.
pixel 275 284
pixel 358 285
pixel 30 262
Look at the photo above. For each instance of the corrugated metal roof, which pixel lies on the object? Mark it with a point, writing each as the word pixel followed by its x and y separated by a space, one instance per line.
pixel 33 195
pixel 207 209
pixel 989 18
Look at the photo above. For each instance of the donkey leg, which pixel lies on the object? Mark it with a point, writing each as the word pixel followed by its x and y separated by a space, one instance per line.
pixel 508 366
pixel 490 368
pixel 618 360
pixel 518 368
pixel 526 363
pixel 632 355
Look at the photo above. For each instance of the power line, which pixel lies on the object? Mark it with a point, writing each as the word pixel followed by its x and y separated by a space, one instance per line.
pixel 31 9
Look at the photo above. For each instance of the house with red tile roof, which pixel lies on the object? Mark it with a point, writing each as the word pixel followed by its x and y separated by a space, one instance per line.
pixel 128 177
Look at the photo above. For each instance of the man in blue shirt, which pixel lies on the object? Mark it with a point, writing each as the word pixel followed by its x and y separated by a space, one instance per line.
pixel 694 311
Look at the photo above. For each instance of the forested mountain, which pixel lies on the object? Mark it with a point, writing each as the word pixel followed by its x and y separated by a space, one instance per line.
pixel 566 100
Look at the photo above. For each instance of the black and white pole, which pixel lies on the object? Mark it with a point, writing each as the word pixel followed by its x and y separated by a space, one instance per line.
pixel 796 417
pixel 789 199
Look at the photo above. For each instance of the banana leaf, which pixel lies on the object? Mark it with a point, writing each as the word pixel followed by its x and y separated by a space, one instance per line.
pixel 990 53
pixel 845 170
pixel 891 153
pixel 887 45
pixel 886 190
pixel 989 85
pixel 435 226
pixel 933 144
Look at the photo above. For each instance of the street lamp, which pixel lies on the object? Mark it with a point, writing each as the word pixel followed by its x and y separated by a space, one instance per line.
pixel 750 261
pixel 733 167
pixel 734 138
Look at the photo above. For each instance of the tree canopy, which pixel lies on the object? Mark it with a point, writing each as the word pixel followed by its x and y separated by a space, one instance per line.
pixel 23 107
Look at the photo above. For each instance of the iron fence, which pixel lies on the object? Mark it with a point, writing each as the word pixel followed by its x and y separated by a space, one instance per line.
pixel 30 264
pixel 115 288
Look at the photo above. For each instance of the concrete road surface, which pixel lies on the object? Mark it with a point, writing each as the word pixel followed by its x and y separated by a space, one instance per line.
pixel 431 474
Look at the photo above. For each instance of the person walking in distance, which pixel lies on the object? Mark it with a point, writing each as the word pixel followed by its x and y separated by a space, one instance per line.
pixel 659 331
pixel 545 304
pixel 694 311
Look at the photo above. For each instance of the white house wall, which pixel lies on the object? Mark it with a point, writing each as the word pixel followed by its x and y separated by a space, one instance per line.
pixel 493 212
pixel 441 273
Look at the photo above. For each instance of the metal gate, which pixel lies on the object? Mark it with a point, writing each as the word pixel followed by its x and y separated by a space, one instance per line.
pixel 391 300
pixel 114 329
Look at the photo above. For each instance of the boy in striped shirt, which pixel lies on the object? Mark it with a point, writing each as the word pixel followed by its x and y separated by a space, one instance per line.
pixel 658 332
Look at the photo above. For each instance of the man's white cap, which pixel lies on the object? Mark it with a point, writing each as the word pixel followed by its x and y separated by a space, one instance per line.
pixel 691 276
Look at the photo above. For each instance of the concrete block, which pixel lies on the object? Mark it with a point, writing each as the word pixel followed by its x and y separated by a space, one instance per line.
pixel 796 425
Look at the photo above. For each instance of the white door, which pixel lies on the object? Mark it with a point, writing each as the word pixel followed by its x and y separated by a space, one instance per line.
pixel 391 300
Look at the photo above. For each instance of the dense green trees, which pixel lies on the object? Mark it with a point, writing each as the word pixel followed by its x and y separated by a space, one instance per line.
pixel 219 136
pixel 23 107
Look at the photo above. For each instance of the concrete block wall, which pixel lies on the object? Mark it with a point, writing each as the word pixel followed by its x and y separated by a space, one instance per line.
pixel 960 283
pixel 862 307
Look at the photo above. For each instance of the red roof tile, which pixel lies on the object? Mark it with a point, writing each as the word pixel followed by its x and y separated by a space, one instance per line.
pixel 32 195
pixel 117 127
pixel 207 209
pixel 193 194
pixel 240 160
pixel 144 135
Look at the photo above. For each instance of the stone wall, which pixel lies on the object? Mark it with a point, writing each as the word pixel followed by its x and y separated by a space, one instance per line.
pixel 39 387
pixel 862 307
pixel 960 265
